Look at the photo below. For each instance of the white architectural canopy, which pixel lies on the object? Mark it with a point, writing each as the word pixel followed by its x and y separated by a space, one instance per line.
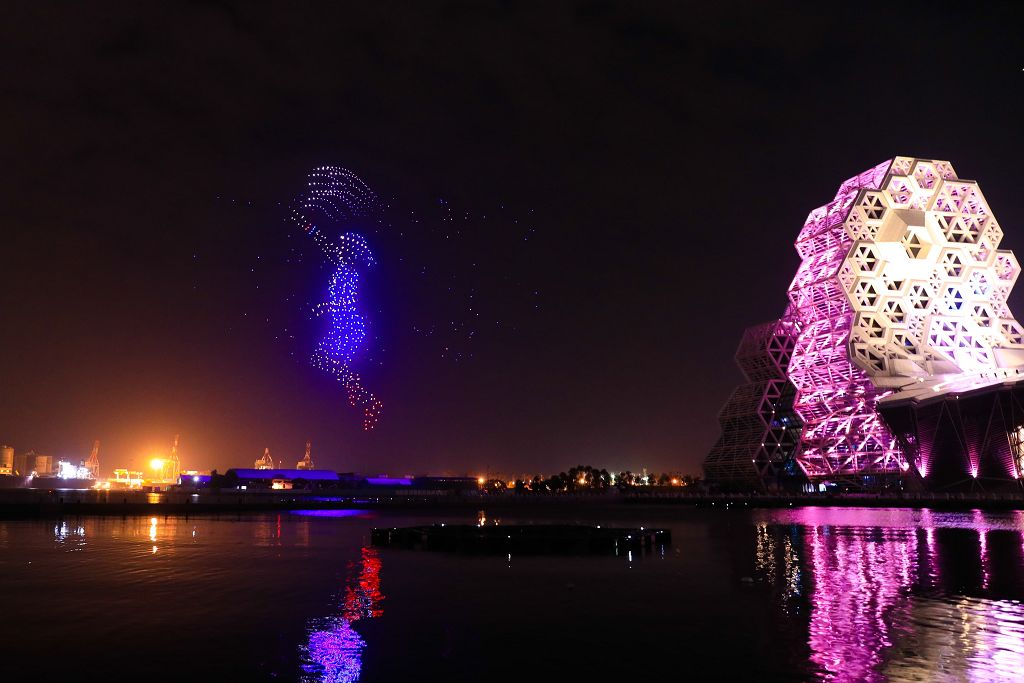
pixel 928 283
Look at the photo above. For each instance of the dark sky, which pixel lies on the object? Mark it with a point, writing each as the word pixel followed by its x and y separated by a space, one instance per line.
pixel 658 159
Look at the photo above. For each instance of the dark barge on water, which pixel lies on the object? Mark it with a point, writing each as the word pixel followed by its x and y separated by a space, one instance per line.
pixel 531 539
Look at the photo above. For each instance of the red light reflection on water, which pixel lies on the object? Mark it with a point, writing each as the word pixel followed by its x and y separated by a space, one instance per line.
pixel 363 598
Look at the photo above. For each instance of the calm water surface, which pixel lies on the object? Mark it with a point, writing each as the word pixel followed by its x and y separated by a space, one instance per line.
pixel 801 594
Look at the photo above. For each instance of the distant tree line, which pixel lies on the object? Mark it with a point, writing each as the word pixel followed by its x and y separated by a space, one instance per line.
pixel 587 479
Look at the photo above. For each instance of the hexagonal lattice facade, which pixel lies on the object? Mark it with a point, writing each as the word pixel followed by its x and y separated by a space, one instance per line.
pixel 926 280
pixel 843 434
pixel 901 285
pixel 760 430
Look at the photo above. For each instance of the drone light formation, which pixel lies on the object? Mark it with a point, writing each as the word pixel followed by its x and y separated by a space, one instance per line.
pixel 340 197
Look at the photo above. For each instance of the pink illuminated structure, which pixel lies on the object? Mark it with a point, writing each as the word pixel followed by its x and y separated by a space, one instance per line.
pixel 900 299
pixel 843 434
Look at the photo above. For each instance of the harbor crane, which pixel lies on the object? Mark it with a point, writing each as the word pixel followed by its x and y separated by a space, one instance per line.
pixel 266 462
pixel 307 462
pixel 93 463
pixel 174 466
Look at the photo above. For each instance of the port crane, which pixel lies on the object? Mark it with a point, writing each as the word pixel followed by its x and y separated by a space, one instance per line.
pixel 93 463
pixel 174 462
pixel 266 462
pixel 168 469
pixel 307 462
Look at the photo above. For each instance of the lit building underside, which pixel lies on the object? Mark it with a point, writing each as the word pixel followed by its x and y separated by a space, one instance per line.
pixel 899 303
pixel 963 440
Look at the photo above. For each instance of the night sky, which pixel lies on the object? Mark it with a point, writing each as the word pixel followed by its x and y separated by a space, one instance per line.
pixel 584 204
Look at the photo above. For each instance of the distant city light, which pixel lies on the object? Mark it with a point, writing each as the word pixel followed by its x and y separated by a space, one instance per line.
pixel 65 470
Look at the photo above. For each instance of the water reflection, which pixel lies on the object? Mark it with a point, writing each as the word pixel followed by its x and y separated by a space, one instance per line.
pixel 268 532
pixel 899 595
pixel 70 536
pixel 334 651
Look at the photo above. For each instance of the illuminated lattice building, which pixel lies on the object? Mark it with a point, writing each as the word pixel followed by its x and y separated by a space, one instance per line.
pixel 760 430
pixel 900 300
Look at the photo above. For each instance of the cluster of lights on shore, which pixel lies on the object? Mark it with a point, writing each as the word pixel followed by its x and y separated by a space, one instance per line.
pixel 340 196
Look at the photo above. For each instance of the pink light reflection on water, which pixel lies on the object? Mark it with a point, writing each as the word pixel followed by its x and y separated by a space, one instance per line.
pixel 876 611
pixel 858 585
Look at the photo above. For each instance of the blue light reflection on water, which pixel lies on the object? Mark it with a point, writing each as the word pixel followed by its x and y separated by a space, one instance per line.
pixel 334 649
pixel 331 513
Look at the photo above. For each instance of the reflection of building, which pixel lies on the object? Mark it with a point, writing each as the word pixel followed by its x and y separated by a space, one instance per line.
pixel 860 584
pixel 903 600
pixel 990 630
pixel 900 301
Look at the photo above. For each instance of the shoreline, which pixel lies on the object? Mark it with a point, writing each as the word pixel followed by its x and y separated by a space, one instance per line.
pixel 42 503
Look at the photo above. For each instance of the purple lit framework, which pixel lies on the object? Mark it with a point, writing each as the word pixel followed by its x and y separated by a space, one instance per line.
pixel 843 434
pixel 339 197
pixel 900 298
pixel 759 426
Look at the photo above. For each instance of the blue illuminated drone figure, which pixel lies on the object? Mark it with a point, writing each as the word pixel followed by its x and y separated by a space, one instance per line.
pixel 340 196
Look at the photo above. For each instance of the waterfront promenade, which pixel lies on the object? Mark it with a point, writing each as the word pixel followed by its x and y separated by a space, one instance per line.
pixel 55 502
